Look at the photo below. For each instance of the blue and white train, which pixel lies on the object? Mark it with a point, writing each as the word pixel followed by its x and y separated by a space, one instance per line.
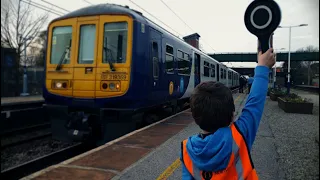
pixel 108 66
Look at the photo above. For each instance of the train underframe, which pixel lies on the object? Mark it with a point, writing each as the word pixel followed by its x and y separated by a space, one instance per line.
pixel 100 125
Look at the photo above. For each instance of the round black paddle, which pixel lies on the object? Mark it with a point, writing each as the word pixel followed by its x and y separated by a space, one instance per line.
pixel 262 18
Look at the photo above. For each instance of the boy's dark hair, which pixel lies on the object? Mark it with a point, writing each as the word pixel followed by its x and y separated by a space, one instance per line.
pixel 212 105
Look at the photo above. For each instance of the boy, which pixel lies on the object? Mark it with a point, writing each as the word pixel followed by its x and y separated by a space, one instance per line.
pixel 222 149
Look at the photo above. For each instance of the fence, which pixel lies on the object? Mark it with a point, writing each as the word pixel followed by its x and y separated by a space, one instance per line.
pixel 12 76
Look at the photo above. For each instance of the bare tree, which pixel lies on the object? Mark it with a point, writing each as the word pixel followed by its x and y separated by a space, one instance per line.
pixel 308 64
pixel 18 23
pixel 40 54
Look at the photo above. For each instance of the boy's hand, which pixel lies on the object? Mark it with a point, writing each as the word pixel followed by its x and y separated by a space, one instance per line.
pixel 266 59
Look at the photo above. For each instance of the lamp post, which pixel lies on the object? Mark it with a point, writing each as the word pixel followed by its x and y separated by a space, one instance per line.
pixel 275 69
pixel 288 83
pixel 25 77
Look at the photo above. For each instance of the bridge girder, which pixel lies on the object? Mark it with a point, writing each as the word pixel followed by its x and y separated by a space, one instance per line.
pixel 252 57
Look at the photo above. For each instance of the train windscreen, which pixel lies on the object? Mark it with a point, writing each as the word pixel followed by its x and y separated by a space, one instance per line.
pixel 116 35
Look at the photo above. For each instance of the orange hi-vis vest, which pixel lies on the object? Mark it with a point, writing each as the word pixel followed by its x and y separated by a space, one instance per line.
pixel 240 164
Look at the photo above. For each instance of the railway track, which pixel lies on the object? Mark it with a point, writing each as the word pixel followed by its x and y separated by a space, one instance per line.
pixel 24 135
pixel 21 105
pixel 24 129
pixel 32 166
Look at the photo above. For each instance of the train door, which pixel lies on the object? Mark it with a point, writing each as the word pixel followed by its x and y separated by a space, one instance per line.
pixel 222 75
pixel 227 77
pixel 86 57
pixel 197 77
pixel 155 58
pixel 218 73
pixel 232 79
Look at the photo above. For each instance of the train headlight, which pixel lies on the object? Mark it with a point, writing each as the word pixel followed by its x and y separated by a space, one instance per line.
pixel 112 86
pixel 59 84
pixel 104 85
pixel 64 85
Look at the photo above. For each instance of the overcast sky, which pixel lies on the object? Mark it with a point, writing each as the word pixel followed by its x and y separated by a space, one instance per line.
pixel 220 23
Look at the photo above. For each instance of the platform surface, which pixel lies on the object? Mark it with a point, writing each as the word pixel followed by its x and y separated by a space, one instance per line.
pixel 285 148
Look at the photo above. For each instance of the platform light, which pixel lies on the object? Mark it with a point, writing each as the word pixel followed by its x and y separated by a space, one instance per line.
pixel 290 27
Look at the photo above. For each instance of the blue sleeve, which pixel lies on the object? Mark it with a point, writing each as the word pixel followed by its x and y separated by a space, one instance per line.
pixel 248 122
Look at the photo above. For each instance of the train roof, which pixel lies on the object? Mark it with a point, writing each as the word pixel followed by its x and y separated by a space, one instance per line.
pixel 116 9
pixel 99 9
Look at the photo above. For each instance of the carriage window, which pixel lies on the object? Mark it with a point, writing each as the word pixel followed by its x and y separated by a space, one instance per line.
pixel 206 69
pixel 61 45
pixel 183 63
pixel 169 59
pixel 213 70
pixel 169 49
pixel 115 42
pixel 221 74
pixel 179 54
pixel 86 45
pixel 224 74
pixel 155 60
pixel 186 57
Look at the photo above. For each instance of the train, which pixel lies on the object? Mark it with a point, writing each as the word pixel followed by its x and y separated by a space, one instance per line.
pixel 108 67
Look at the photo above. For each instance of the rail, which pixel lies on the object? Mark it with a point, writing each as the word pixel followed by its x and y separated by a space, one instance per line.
pixel 21 105
pixel 30 167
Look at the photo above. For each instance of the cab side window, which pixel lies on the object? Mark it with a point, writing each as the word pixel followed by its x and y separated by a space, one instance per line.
pixel 155 60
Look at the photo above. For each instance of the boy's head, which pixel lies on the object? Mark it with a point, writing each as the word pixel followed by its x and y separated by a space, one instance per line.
pixel 212 106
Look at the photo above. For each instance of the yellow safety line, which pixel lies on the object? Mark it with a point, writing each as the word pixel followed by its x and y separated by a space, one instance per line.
pixel 170 170
pixel 166 173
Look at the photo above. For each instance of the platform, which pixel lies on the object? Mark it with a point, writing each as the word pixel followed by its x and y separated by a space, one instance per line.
pixel 285 147
pixel 21 100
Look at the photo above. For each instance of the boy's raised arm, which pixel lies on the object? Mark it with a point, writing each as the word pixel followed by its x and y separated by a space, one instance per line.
pixel 249 120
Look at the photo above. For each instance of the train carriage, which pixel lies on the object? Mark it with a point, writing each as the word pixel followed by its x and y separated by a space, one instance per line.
pixel 108 66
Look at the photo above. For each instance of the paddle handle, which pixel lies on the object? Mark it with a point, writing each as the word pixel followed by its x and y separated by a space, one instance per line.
pixel 265 43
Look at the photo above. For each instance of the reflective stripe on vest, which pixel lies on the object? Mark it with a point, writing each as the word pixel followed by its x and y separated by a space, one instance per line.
pixel 239 167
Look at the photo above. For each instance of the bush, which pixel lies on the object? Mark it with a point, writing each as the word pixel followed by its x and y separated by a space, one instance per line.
pixel 277 91
pixel 292 97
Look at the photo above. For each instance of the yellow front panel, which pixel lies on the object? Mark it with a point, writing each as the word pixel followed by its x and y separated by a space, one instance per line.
pixel 84 83
pixel 102 93
pixel 64 92
pixel 103 69
pixel 80 73
pixel 84 80
pixel 67 22
pixel 67 73
pixel 83 94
